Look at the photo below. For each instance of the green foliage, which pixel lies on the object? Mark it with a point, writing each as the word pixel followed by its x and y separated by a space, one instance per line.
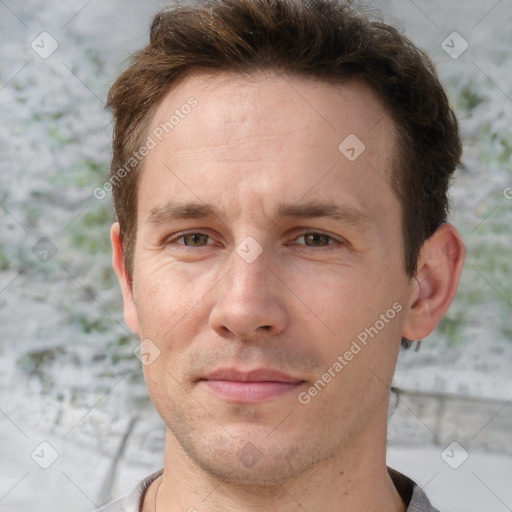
pixel 4 261
pixel 37 363
pixel 486 283
pixel 84 173
pixel 452 329
pixel 469 97
pixel 90 232
pixel 58 139
pixel 89 325
pixel 89 172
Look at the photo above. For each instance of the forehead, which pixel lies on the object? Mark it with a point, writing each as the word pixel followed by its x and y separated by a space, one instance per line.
pixel 268 102
pixel 268 134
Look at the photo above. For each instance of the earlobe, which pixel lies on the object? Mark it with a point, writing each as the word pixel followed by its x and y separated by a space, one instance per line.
pixel 439 269
pixel 130 310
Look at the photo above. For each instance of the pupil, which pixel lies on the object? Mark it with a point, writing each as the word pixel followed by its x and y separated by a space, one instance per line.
pixel 194 239
pixel 316 239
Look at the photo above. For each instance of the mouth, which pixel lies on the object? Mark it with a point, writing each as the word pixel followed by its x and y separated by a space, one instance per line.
pixel 258 385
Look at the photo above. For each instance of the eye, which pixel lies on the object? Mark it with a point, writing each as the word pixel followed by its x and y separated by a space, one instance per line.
pixel 316 239
pixel 195 239
pixel 191 239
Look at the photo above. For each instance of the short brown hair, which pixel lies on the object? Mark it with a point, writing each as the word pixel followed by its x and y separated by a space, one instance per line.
pixel 322 39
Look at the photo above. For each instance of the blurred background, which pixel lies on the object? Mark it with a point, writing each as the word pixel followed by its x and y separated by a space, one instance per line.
pixel 76 424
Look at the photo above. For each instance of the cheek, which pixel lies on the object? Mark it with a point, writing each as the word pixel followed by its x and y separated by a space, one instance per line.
pixel 347 306
pixel 338 300
pixel 171 300
pixel 162 282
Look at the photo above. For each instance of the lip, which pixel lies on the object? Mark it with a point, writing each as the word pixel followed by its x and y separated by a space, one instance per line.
pixel 252 386
pixel 255 375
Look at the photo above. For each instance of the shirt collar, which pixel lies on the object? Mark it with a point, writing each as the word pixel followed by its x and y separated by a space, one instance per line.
pixel 411 493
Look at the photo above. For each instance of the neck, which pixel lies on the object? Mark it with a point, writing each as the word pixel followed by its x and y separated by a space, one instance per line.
pixel 354 479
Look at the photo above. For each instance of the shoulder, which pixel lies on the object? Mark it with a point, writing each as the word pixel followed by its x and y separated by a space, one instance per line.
pixel 131 502
pixel 419 501
pixel 411 493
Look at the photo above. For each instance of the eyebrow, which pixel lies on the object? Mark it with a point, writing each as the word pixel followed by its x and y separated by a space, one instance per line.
pixel 175 211
pixel 315 208
pixel 311 209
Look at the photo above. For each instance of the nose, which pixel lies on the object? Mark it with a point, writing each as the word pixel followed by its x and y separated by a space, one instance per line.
pixel 250 302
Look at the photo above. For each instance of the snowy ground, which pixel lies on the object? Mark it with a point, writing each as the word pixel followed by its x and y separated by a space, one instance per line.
pixel 68 376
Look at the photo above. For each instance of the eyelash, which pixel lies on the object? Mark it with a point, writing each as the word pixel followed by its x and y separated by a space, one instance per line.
pixel 334 243
pixel 330 246
pixel 178 236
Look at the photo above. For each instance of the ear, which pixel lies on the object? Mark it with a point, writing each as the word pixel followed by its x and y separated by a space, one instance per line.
pixel 438 273
pixel 130 310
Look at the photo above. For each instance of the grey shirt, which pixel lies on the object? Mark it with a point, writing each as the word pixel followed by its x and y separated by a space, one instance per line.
pixel 410 492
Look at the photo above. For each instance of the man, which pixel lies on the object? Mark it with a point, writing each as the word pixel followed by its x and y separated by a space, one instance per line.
pixel 279 175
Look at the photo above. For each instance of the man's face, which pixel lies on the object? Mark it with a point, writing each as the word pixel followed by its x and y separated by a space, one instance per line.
pixel 263 244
